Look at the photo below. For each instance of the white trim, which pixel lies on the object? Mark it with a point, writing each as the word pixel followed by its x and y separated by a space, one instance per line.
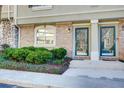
pixel 19 38
pixel 8 12
pixel 46 7
pixel 4 12
pixel 82 24
pixel 102 23
pixel 72 13
pixel 94 21
pixel 94 36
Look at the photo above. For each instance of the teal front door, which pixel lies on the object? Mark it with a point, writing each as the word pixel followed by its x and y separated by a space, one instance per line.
pixel 81 41
pixel 107 41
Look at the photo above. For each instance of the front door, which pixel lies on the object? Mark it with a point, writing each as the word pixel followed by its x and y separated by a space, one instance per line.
pixel 81 41
pixel 107 41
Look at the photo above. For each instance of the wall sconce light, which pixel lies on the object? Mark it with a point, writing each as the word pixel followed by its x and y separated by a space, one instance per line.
pixel 68 29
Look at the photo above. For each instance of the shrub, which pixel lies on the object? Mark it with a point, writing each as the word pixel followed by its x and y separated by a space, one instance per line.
pixel 33 57
pixel 41 49
pixel 39 57
pixel 4 46
pixel 46 55
pixel 59 53
pixel 20 54
pixel 2 59
pixel 58 62
pixel 8 52
pixel 30 48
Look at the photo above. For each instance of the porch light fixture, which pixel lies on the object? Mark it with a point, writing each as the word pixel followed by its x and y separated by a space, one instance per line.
pixel 68 29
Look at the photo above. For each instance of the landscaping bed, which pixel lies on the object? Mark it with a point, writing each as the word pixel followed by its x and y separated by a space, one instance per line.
pixel 44 68
pixel 34 59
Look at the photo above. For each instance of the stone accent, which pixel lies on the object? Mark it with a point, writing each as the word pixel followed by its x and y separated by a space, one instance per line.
pixel 121 39
pixel 26 35
pixel 8 32
pixel 64 36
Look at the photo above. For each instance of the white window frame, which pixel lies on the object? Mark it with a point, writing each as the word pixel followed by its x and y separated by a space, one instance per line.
pixel 42 7
pixel 43 45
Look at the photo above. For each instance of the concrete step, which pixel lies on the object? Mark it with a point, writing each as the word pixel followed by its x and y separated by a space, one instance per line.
pixel 83 64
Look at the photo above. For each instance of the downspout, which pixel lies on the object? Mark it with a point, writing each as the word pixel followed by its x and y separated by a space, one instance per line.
pixel 8 13
pixel 15 14
pixel 15 23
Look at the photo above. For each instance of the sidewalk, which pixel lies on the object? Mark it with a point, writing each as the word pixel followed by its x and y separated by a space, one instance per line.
pixel 96 69
pixel 41 80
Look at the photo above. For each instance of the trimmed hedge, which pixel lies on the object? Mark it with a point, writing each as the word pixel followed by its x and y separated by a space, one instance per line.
pixel 59 53
pixel 31 48
pixel 20 54
pixel 39 57
pixel 35 55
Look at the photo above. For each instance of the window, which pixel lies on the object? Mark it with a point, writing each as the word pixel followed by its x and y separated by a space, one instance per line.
pixel 45 36
pixel 40 7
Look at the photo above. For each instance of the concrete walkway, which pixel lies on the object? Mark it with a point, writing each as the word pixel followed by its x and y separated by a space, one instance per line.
pixel 96 69
pixel 40 80
pixel 83 74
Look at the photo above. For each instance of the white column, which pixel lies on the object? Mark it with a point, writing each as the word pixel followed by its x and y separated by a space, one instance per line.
pixel 94 40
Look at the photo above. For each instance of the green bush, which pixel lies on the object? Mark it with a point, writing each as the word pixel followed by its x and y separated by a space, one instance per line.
pixel 59 53
pixel 41 49
pixel 31 57
pixel 39 57
pixel 29 48
pixel 20 54
pixel 35 55
pixel 58 62
pixel 2 59
pixel 8 52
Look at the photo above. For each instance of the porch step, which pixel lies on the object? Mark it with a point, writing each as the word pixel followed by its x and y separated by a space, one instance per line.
pixel 83 64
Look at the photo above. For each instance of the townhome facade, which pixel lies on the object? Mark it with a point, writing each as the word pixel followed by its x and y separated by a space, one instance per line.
pixel 91 32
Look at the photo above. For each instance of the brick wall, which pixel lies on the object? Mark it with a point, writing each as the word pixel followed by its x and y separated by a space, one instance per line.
pixel 26 35
pixel 121 39
pixel 64 36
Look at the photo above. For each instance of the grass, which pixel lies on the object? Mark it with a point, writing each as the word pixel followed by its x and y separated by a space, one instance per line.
pixel 44 68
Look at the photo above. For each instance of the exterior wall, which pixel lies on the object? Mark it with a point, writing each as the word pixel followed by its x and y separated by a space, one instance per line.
pixel 64 16
pixel 62 13
pixel 7 12
pixel 26 35
pixel 64 36
pixel 121 40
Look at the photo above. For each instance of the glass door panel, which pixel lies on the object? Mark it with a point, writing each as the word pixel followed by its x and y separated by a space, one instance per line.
pixel 107 41
pixel 81 41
